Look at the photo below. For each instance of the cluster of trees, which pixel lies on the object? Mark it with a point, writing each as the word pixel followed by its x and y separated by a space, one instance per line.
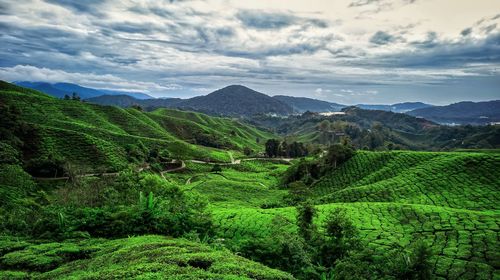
pixel 139 153
pixel 298 177
pixel 276 148
pixel 333 251
pixel 74 96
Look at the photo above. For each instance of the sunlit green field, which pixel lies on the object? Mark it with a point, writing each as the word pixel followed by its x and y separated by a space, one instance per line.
pixel 392 197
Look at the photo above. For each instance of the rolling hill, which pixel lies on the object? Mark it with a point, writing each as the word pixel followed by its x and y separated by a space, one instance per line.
pixel 97 135
pixel 60 89
pixel 449 200
pixel 462 113
pixel 377 129
pixel 303 104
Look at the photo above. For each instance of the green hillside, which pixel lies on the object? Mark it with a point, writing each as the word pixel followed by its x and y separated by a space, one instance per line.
pixel 449 200
pixel 457 180
pixel 337 212
pixel 98 136
pixel 145 257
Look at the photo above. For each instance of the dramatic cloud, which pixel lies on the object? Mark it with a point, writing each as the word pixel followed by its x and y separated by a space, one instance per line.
pixel 382 38
pixel 379 50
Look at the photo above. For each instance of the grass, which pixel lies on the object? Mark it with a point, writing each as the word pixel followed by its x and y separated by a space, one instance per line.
pixel 144 257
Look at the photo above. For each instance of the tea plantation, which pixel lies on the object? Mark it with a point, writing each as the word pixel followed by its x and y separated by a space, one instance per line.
pixel 187 196
pixel 445 199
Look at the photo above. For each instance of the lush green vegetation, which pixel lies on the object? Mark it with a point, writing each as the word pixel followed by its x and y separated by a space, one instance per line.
pixel 381 130
pixel 339 213
pixel 99 136
pixel 145 257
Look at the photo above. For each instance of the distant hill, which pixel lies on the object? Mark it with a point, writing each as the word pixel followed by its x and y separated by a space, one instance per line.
pixel 397 108
pixel 462 113
pixel 233 100
pixel 126 101
pixel 378 130
pixel 236 100
pixel 60 89
pixel 44 87
pixel 303 104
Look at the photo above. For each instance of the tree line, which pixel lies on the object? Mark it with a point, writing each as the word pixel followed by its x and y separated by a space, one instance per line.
pixel 277 148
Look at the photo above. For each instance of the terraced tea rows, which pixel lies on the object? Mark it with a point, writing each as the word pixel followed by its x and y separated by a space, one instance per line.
pixel 445 199
pixel 457 180
pixel 462 240
pixel 97 136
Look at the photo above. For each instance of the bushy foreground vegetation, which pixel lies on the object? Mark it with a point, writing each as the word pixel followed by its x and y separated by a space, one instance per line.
pixel 145 257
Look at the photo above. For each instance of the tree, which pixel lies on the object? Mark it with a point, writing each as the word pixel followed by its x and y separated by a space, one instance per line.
pixel 339 153
pixel 305 216
pixel 247 151
pixel 66 97
pixel 341 236
pixel 137 107
pixel 272 147
pixel 75 96
pixel 298 192
pixel 216 169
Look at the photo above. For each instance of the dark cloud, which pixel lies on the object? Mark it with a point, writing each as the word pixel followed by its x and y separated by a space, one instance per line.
pixel 466 31
pixel 441 54
pixel 430 41
pixel 489 28
pixel 131 27
pixel 259 19
pixel 264 20
pixel 382 38
pixel 159 11
pixel 4 8
pixel 87 6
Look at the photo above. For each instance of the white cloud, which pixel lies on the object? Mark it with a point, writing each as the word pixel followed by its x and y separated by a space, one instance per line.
pixel 31 73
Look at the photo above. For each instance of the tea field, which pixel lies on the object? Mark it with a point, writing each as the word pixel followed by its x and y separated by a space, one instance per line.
pixel 448 200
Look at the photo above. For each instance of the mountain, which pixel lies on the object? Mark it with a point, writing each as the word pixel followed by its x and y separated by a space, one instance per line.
pixel 44 87
pixel 60 89
pixel 236 100
pixel 397 108
pixel 303 104
pixel 126 101
pixel 462 113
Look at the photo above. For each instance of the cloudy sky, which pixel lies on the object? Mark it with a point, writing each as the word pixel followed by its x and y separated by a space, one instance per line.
pixel 346 51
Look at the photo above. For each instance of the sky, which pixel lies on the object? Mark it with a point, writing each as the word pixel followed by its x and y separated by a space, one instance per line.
pixel 344 51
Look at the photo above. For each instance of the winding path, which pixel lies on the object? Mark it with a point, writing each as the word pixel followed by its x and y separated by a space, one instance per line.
pixel 183 166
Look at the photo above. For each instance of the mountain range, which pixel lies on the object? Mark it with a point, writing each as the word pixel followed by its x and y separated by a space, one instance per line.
pixel 397 108
pixel 466 112
pixel 304 104
pixel 241 101
pixel 61 89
